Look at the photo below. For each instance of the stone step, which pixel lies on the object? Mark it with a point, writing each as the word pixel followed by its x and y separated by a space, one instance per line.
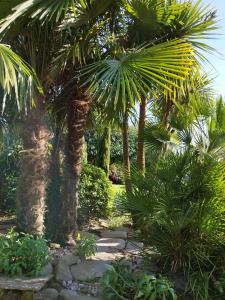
pixel 23 284
pixel 119 234
pixel 110 244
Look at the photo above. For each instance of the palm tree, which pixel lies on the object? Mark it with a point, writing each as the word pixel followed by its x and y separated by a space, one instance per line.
pixel 115 73
pixel 169 20
pixel 26 40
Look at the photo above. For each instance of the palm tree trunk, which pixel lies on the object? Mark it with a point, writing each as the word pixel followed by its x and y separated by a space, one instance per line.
pixel 141 127
pixel 32 185
pixel 54 189
pixel 126 156
pixel 104 144
pixel 77 113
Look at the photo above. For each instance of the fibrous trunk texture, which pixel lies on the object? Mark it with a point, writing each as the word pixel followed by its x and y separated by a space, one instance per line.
pixel 77 111
pixel 141 127
pixel 32 185
pixel 104 144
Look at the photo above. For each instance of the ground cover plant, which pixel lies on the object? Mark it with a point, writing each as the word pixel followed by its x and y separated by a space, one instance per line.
pixel 86 245
pixel 120 283
pixel 22 254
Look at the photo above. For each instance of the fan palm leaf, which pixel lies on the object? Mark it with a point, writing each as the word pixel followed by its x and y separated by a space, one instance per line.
pixel 13 70
pixel 133 74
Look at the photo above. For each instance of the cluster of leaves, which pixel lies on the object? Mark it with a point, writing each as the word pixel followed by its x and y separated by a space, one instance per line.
pixel 9 173
pixel 116 152
pixel 120 283
pixel 86 246
pixel 95 194
pixel 22 254
pixel 180 207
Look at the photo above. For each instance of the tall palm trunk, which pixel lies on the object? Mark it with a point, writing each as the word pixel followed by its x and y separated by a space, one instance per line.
pixel 77 108
pixel 126 156
pixel 32 186
pixel 54 190
pixel 104 143
pixel 141 127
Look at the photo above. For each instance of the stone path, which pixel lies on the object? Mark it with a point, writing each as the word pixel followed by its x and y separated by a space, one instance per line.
pixel 66 277
pixel 76 280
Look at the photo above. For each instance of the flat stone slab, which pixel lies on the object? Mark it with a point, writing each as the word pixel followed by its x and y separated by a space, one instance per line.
pixel 110 244
pixel 89 269
pixel 107 257
pixel 134 246
pixel 114 234
pixel 23 284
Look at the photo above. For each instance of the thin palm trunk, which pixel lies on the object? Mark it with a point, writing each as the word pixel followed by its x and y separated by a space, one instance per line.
pixel 78 109
pixel 141 127
pixel 32 186
pixel 126 156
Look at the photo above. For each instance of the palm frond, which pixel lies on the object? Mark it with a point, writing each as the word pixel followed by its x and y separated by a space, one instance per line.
pixel 131 75
pixel 14 71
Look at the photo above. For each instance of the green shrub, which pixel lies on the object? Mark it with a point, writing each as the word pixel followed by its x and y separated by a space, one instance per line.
pixel 180 205
pixel 9 173
pixel 95 197
pixel 120 283
pixel 22 254
pixel 116 153
pixel 86 246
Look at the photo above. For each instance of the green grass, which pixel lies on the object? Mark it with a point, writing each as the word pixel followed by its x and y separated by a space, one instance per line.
pixel 117 189
pixel 115 220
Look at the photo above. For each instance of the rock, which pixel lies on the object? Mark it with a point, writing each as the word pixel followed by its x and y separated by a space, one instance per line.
pixel 114 234
pixel 47 294
pixel 68 295
pixel 110 245
pixel 47 270
pixel 124 228
pixel 63 272
pixel 56 286
pixel 55 246
pixel 9 296
pixel 103 222
pixel 23 284
pixel 107 257
pixel 70 260
pixel 88 270
pixel 134 246
pixel 26 296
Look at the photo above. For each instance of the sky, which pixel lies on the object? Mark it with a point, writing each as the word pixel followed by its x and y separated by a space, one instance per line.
pixel 218 60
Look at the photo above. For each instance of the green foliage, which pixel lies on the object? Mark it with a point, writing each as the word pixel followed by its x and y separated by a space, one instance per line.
pixel 180 205
pixel 22 254
pixel 9 173
pixel 94 194
pixel 121 283
pixel 86 246
pixel 116 149
pixel 219 284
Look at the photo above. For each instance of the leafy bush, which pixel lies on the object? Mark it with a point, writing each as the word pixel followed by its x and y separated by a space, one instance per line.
pixel 180 205
pixel 86 246
pixel 22 254
pixel 9 173
pixel 121 283
pixel 94 194
pixel 116 152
